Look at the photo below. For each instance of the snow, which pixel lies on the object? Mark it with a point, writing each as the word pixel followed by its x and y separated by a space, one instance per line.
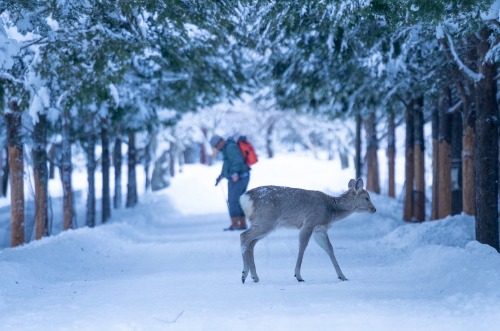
pixel 439 32
pixel 167 264
pixel 40 102
pixel 195 32
pixel 8 49
pixel 54 25
pixel 114 93
pixel 493 12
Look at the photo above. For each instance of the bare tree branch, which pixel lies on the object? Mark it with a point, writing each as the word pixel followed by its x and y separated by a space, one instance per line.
pixel 401 99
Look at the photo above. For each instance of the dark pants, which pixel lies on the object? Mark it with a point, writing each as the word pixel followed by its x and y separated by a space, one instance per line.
pixel 235 191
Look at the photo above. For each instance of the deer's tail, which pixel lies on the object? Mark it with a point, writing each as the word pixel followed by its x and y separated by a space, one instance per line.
pixel 246 203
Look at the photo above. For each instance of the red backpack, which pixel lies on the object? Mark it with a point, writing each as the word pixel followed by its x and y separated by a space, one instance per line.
pixel 247 150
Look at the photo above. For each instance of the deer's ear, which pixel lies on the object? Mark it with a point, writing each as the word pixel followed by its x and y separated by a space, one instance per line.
pixel 352 182
pixel 359 184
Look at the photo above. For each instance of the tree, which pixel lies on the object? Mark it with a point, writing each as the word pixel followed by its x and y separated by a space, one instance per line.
pixel 117 161
pixel 371 159
pixel 435 163
pixel 41 177
pixel 486 145
pixel 15 92
pixel 391 154
pixel 16 165
pixel 419 162
pixel 132 181
pixel 105 157
pixel 409 161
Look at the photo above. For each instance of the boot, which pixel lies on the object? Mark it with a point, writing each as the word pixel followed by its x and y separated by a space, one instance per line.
pixel 242 223
pixel 234 225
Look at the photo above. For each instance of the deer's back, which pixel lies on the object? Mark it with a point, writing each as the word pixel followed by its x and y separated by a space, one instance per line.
pixel 291 207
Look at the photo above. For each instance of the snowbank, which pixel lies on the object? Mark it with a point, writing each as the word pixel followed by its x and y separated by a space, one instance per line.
pixel 451 231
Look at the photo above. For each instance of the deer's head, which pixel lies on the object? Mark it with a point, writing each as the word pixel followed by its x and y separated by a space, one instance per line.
pixel 361 197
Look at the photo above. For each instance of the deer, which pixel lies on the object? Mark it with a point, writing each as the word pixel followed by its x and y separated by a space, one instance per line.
pixel 312 212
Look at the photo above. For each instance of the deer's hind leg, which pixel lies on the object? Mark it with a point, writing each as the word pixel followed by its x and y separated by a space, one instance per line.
pixel 248 240
pixel 304 236
pixel 251 261
pixel 324 242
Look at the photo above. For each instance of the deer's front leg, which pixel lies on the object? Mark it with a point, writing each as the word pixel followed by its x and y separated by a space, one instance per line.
pixel 304 236
pixel 324 242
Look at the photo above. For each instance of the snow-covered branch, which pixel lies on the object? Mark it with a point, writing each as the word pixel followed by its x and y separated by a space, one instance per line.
pixel 7 76
pixel 471 74
pixel 455 107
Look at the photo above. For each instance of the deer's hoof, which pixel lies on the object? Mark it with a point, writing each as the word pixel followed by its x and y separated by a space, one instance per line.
pixel 243 280
pixel 342 278
pixel 255 279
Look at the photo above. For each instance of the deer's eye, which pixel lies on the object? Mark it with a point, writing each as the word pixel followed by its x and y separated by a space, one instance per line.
pixel 367 199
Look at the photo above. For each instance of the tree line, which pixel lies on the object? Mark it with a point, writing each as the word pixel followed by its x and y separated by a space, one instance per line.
pixel 402 62
pixel 100 73
pixel 106 70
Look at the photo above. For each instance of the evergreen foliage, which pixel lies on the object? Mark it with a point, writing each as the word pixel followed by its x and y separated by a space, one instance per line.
pixel 133 68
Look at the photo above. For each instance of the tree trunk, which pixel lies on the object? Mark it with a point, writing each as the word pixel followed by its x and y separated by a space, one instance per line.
pixel 66 173
pixel 444 171
pixel 41 177
pixel 371 159
pixel 435 164
pixel 456 163
pixel 147 163
pixel 486 147
pixel 391 154
pixel 5 175
pixel 419 159
pixel 357 160
pixel 16 164
pixel 344 158
pixel 468 152
pixel 409 162
pixel 203 153
pixel 172 159
pixel 330 150
pixel 160 178
pixel 117 162
pixel 2 167
pixel 91 165
pixel 52 165
pixel 269 139
pixel 180 157
pixel 469 139
pixel 132 180
pixel 106 199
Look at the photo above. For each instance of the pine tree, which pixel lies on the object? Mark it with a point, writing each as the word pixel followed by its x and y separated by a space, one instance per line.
pixel 41 177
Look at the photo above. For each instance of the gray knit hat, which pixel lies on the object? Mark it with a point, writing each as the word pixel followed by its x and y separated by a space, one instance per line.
pixel 214 140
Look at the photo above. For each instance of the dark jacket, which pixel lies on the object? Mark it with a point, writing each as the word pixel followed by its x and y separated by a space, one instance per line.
pixel 233 160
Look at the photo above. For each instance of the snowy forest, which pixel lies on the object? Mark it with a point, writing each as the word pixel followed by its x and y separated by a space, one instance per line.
pixel 109 107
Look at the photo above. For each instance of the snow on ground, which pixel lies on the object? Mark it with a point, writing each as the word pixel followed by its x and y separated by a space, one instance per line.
pixel 167 265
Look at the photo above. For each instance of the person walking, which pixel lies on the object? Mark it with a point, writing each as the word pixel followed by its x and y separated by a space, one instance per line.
pixel 237 173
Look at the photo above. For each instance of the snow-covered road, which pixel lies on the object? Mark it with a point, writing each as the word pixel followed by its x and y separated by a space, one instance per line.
pixel 155 268
pixel 184 274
